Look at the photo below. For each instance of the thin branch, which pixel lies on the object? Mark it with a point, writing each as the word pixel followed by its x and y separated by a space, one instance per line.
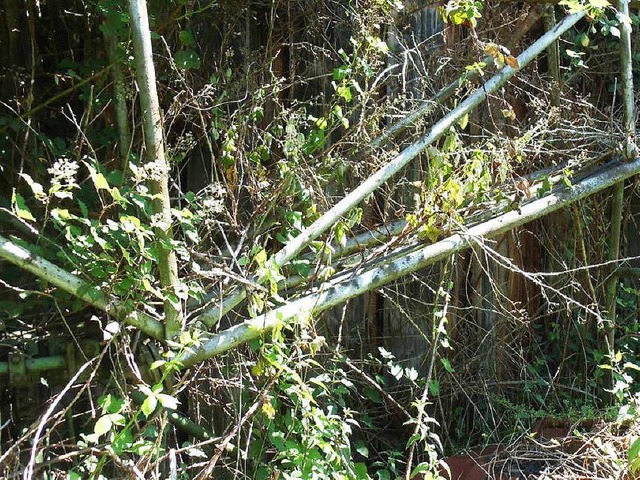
pixel 28 473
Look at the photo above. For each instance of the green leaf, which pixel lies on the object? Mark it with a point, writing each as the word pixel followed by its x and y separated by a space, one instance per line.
pixel 411 373
pixel 420 468
pixel 341 235
pixel 583 39
pixel 187 60
pixel 386 353
pixel 103 425
pixel 117 419
pixel 447 365
pixel 383 474
pixel 341 72
pixel 362 449
pixel 157 364
pixel 463 121
pixel 195 452
pixel 36 188
pixel 187 39
pixel 434 388
pixel 20 207
pixel 122 441
pixel 149 405
pixel 361 470
pixel 315 141
pixel 396 371
pixel 634 450
pixel 112 404
pixel 450 141
pixel 373 395
pixel 412 440
pixel 145 390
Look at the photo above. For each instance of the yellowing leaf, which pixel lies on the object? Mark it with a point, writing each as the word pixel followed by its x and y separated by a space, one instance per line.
pixel 492 49
pixel 501 55
pixel 509 113
pixel 463 121
pixel 268 410
pixel 511 61
pixel 98 179
pixel 583 39
pixel 573 5
pixel 101 182
pixel 261 257
pixel 258 369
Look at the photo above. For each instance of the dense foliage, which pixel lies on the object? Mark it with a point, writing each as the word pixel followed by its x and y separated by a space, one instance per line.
pixel 271 112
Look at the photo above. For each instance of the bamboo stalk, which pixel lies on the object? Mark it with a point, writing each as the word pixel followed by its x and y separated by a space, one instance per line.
pixel 119 101
pixel 68 282
pixel 553 56
pixel 613 250
pixel 611 286
pixel 152 125
pixel 326 221
pixel 39 364
pixel 338 291
pixel 386 232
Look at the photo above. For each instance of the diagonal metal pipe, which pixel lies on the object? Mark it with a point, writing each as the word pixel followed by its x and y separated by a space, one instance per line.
pixel 337 292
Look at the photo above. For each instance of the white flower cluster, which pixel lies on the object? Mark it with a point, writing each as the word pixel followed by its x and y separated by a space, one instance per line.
pixel 63 172
pixel 155 170
pixel 213 200
pixel 158 221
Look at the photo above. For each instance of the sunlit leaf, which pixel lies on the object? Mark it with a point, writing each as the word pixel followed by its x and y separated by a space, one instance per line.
pixel 20 208
pixel 103 425
pixel 149 405
pixel 167 401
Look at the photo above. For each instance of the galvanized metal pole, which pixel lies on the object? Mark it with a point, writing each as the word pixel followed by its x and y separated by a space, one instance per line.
pixel 340 290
